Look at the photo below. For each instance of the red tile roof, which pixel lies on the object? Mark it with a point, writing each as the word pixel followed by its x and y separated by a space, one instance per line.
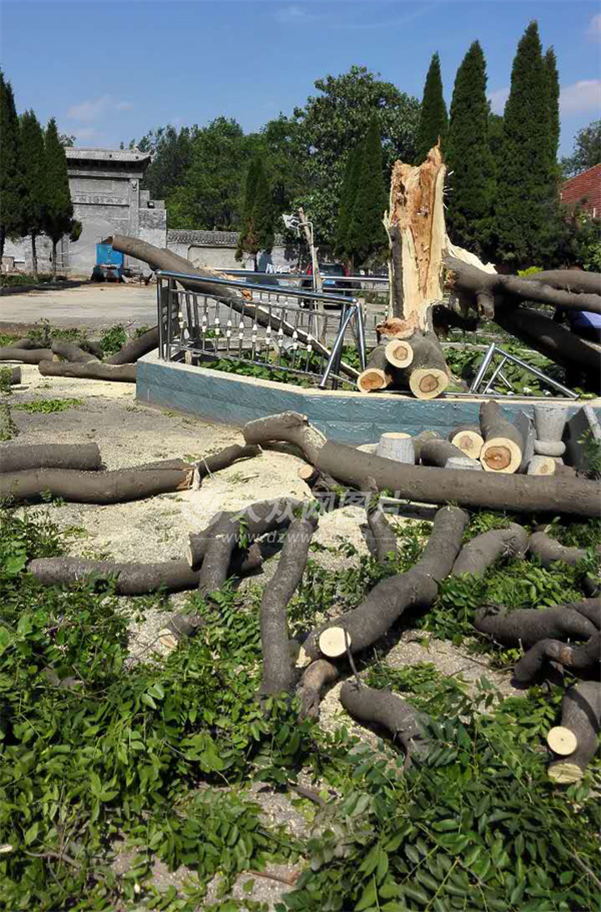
pixel 584 190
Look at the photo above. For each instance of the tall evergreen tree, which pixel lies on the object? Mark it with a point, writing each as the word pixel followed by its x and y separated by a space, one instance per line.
pixel 58 213
pixel 433 121
pixel 469 156
pixel 350 186
pixel 34 179
pixel 526 210
pixel 11 184
pixel 366 235
pixel 256 232
pixel 552 79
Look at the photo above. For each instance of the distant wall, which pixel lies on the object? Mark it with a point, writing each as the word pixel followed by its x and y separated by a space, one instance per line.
pixel 217 249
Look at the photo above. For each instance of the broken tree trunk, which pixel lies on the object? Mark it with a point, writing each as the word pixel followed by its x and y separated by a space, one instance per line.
pixel 289 426
pixel 91 370
pixel 579 730
pixel 529 625
pixel 378 373
pixel 277 660
pixel 315 677
pixel 27 356
pixel 503 444
pixel 118 486
pixel 135 348
pixel 84 456
pixel 581 658
pixel 484 550
pixel 516 493
pixel 405 724
pixel 71 352
pixel 357 629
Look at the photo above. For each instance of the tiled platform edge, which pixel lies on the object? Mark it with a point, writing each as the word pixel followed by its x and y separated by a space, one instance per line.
pixel 348 417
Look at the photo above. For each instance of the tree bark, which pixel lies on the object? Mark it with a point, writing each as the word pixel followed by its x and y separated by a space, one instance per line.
pixel 575 280
pixel 378 373
pixel 27 356
pixel 581 716
pixel 71 352
pixel 84 456
pixel 289 426
pixel 548 550
pixel 135 348
pixel 14 376
pixel 529 625
pixel 583 657
pixel 92 370
pixel 277 661
pixel 437 452
pixel 315 677
pixel 403 722
pixel 485 550
pixel 226 457
pixel 427 376
pixel 384 536
pixel 516 493
pixel 468 439
pixel 503 444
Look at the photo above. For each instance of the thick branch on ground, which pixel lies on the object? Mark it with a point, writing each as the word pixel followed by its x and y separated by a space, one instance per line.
pixel 549 550
pixel 134 578
pixel 71 352
pixel 289 426
pixel 323 487
pixel 277 661
pixel 118 486
pixel 427 375
pixel 378 373
pixel 437 452
pixel 468 439
pixel 359 628
pixel 503 444
pixel 484 550
pixel 516 493
pixel 14 375
pixel 206 465
pixel 575 280
pixel 135 348
pixel 92 370
pixel 529 625
pixel 27 356
pixel 405 724
pixel 579 730
pixel 384 536
pixel 315 678
pixel 20 458
pixel 581 658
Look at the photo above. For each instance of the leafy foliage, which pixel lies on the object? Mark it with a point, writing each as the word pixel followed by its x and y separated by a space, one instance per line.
pixel 58 209
pixel 587 150
pixel 11 186
pixel 256 230
pixel 433 120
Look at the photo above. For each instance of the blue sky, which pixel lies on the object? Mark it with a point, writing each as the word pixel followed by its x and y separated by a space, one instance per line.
pixel 109 71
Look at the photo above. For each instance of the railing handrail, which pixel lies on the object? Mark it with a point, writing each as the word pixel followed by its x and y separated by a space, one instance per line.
pixel 271 289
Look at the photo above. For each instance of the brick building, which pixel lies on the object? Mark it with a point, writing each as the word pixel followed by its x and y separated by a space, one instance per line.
pixel 584 191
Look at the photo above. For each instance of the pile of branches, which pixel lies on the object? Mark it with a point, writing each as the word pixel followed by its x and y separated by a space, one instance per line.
pixel 66 359
pixel 561 637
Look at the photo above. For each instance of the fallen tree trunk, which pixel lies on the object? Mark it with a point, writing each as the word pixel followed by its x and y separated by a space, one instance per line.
pixel 226 457
pixel 277 662
pixel 71 352
pixel 516 493
pixel 357 629
pixel 405 724
pixel 315 677
pixel 503 446
pixel 27 356
pixel 289 426
pixel 580 722
pixel 581 658
pixel 591 609
pixel 135 348
pixel 484 550
pixel 91 370
pixel 84 456
pixel 26 343
pixel 134 578
pixel 118 486
pixel 529 625
pixel 574 280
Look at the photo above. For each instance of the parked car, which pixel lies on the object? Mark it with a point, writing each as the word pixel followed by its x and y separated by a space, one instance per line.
pixel 331 274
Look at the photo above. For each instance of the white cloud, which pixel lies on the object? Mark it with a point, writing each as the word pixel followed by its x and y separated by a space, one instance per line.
pixel 292 15
pixel 92 109
pixel 85 133
pixel 594 27
pixel 497 100
pixel 581 97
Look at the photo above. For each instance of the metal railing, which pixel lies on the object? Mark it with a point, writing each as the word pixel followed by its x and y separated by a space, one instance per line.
pixel 495 351
pixel 282 329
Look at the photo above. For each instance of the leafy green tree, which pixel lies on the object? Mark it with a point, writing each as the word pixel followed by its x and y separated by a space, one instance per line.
pixel 256 230
pixel 365 232
pixel 587 150
pixel 34 179
pixel 527 213
pixel 469 156
pixel 348 194
pixel 433 120
pixel 11 184
pixel 552 81
pixel 172 156
pixel 58 210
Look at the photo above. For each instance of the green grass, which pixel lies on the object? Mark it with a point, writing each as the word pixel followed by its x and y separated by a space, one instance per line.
pixel 47 406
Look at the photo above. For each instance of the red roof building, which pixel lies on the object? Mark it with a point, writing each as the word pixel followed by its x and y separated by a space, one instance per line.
pixel 584 190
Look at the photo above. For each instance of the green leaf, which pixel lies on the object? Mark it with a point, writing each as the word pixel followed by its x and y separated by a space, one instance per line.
pixel 368 897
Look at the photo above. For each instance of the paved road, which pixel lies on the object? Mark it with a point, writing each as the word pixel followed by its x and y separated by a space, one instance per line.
pixel 90 305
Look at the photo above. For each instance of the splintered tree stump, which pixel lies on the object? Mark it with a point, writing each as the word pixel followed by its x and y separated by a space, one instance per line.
pixel 503 444
pixel 468 439
pixel 71 352
pixel 405 725
pixel 382 533
pixel 576 739
pixel 531 625
pixel 396 445
pixel 484 550
pixel 20 458
pixel 549 421
pixel 91 370
pixel 135 348
pixel 378 373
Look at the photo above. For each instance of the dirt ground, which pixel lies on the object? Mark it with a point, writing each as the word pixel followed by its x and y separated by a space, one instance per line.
pixel 157 529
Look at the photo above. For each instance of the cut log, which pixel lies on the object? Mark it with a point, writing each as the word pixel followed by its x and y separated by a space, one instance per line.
pixel 583 657
pixel 134 578
pixel 439 452
pixel 420 439
pixel 289 426
pixel 207 465
pixel 378 373
pixel 136 347
pixel 385 603
pixel 277 661
pixel 541 465
pixel 92 370
pixel 85 456
pixel 405 724
pixel 548 550
pixel 503 444
pixel 399 352
pixel 580 725
pixel 398 446
pixel 26 343
pixel 324 488
pixel 516 493
pixel 529 625
pixel 71 352
pixel 118 486
pixel 485 550
pixel 591 609
pixel 27 356
pixel 12 374
pixel 427 376
pixel 315 678
pixel 468 439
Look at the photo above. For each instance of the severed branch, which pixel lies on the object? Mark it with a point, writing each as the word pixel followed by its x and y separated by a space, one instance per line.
pixel 484 550
pixel 384 536
pixel 581 658
pixel 289 426
pixel 316 677
pixel 576 740
pixel 135 348
pixel 403 722
pixel 529 625
pixel 90 370
pixel 19 457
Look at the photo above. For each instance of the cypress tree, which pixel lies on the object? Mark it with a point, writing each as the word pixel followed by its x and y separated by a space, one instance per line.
pixel 526 206
pixel 58 216
pixel 350 186
pixel 34 179
pixel 11 185
pixel 433 121
pixel 366 234
pixel 469 156
pixel 256 232
pixel 552 80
